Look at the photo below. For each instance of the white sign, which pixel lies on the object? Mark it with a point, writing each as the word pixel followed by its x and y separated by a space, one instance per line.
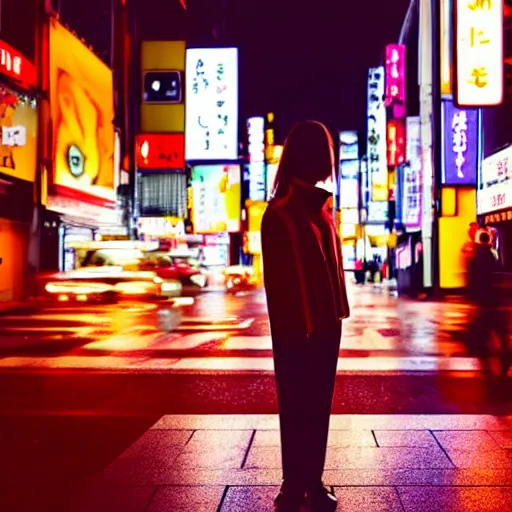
pixel 349 193
pixel 495 186
pixel 377 158
pixel 211 104
pixel 14 135
pixel 479 37
pixel 349 145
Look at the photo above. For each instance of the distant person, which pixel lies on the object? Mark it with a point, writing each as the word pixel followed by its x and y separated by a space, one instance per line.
pixel 484 290
pixel 307 300
pixel 468 249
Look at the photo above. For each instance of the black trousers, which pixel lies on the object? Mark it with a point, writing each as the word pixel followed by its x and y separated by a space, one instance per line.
pixel 305 376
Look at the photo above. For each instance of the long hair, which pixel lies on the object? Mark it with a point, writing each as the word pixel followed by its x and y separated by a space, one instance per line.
pixel 306 156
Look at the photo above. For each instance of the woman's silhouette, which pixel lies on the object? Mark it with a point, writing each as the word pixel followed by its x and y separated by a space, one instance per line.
pixel 306 300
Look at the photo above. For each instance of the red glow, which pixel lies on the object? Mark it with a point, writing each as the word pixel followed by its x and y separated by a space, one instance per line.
pixel 15 65
pixel 396 142
pixel 161 151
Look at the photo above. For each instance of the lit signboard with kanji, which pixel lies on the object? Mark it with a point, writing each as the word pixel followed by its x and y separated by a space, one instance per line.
pixel 479 53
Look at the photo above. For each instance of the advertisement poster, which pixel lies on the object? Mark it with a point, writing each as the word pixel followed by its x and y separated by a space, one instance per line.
pixel 349 193
pixel 82 107
pixel 216 197
pixel 459 146
pixel 395 79
pixel 18 137
pixel 211 104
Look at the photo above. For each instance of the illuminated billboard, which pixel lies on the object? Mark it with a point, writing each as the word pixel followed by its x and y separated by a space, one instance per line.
pixel 376 135
pixel 349 193
pixel 256 150
pixel 349 145
pixel 396 142
pixel 411 176
pixel 479 73
pixel 395 95
pixel 18 137
pixel 459 145
pixel 160 151
pixel 216 197
pixel 211 104
pixel 82 107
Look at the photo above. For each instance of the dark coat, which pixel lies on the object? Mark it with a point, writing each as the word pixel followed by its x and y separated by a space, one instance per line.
pixel 302 266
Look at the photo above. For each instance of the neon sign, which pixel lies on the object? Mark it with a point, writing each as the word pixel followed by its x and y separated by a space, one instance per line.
pixel 395 79
pixel 396 142
pixel 15 65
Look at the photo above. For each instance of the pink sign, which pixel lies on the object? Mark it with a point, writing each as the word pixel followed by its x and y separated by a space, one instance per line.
pixel 395 79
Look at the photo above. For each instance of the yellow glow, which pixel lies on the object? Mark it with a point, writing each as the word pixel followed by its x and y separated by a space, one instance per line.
pixel 255 214
pixel 135 288
pixel 479 38
pixel 448 201
pixel 348 230
pixel 453 233
pixel 82 104
pixel 144 149
pixel 63 298
pixel 270 117
pixel 76 288
pixel 446 51
pixel 81 298
pixel 162 55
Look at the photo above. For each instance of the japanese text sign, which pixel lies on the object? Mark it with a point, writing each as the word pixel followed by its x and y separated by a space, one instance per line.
pixel 479 53
pixel 395 79
pixel 396 142
pixel 494 187
pixel 459 145
pixel 211 104
pixel 160 151
pixel 14 65
pixel 376 135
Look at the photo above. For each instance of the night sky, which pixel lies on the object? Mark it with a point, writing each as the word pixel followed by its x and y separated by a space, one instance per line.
pixel 310 59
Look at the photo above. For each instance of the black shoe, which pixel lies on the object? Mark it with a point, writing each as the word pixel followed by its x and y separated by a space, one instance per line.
pixel 322 500
pixel 288 502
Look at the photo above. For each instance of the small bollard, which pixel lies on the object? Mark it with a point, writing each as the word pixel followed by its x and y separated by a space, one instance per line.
pixel 169 319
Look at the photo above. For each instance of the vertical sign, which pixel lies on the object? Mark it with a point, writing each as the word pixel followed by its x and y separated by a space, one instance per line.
pixel 256 149
pixel 411 180
pixel 396 142
pixel 479 53
pixel 211 103
pixel 376 135
pixel 446 70
pixel 459 145
pixel 395 79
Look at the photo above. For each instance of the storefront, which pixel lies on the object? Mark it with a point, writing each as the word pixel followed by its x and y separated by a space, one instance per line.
pixel 494 201
pixel 18 154
pixel 82 182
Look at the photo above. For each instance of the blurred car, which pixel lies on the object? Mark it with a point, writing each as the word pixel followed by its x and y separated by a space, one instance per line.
pixel 176 266
pixel 240 278
pixel 109 275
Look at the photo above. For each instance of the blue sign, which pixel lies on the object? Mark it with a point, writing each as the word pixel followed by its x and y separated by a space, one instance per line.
pixel 459 145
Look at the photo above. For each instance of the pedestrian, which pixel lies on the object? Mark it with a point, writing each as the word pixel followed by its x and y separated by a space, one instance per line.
pixel 484 280
pixel 307 300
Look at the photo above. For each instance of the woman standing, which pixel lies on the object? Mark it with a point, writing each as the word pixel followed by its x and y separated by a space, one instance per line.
pixel 306 299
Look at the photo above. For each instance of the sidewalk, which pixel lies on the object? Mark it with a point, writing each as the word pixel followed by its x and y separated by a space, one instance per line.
pixel 375 463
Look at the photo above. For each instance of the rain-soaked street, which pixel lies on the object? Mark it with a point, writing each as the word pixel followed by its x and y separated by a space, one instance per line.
pixel 215 356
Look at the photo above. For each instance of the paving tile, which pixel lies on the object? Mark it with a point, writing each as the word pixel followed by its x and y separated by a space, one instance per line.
pixel 503 438
pixel 336 438
pixel 150 468
pixel 218 422
pixel 466 440
pixel 456 499
pixel 255 499
pixel 359 458
pixel 187 498
pixel 497 459
pixel 369 499
pixel 386 458
pixel 158 443
pixel 109 498
pixel 419 422
pixel 405 438
pixel 215 449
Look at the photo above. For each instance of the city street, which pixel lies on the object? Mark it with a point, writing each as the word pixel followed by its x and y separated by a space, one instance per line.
pixel 396 355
